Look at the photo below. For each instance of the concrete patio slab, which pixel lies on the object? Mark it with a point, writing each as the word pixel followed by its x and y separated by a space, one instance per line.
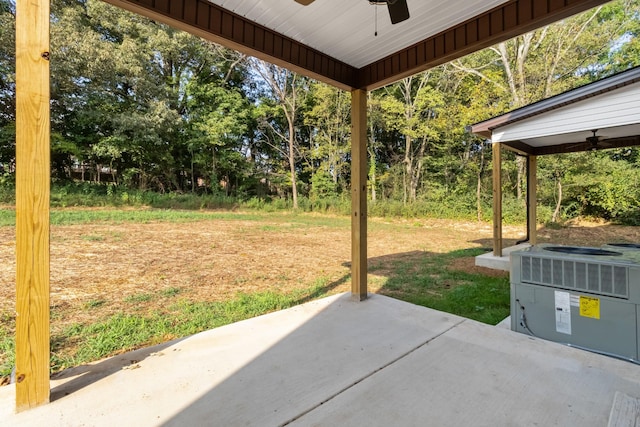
pixel 488 260
pixel 334 362
pixel 476 375
pixel 264 371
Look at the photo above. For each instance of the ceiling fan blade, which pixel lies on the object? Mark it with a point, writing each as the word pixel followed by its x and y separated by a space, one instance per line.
pixel 398 10
pixel 305 2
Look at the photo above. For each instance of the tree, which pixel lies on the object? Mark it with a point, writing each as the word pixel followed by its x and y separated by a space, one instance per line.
pixel 284 92
pixel 413 108
pixel 7 86
pixel 551 60
pixel 220 117
pixel 328 120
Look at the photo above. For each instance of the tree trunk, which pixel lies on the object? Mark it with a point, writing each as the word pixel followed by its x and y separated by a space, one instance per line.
pixel 214 171
pixel 193 180
pixel 556 212
pixel 521 166
pixel 404 186
pixel 292 163
pixel 478 199
pixel 372 172
pixel 408 170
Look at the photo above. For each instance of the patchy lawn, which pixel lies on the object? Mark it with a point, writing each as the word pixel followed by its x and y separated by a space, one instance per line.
pixel 106 272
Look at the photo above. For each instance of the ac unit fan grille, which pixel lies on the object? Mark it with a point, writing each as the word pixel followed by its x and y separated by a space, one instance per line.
pixel 589 277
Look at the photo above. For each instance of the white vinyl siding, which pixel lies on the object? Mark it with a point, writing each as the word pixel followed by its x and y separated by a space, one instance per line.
pixel 620 107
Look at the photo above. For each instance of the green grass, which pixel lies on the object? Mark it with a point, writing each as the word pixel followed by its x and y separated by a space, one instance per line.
pixel 7 345
pixel 170 292
pixel 429 283
pixel 121 331
pixel 92 238
pixel 283 220
pixel 144 297
pixel 94 303
pixel 85 216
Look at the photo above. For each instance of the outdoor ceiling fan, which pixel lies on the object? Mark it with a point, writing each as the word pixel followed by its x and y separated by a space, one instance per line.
pixel 594 140
pixel 398 9
pixel 593 143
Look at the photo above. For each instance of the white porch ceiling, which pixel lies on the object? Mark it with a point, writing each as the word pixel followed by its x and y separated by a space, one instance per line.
pixel 323 24
pixel 581 136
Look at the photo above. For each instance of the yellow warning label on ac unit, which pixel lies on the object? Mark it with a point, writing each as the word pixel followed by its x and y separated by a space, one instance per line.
pixel 590 307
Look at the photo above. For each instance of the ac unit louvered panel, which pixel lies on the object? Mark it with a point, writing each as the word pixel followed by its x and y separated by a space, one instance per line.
pixel 595 278
pixel 620 280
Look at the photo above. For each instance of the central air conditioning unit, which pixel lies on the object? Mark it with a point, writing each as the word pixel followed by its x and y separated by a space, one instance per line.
pixel 584 297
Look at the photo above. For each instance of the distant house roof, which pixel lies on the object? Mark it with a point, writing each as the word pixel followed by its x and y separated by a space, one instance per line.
pixel 608 109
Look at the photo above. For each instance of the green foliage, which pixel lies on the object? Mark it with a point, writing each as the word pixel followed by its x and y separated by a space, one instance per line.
pixel 328 116
pixel 145 115
pixel 612 195
pixel 322 186
pixel 595 184
pixel 514 211
pixel 7 346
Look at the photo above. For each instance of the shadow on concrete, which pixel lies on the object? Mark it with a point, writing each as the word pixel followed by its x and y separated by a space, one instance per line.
pixel 324 290
pixel 292 371
pixel 76 378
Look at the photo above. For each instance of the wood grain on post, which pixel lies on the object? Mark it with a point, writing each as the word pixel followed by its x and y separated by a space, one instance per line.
pixel 32 203
pixel 359 194
pixel 497 199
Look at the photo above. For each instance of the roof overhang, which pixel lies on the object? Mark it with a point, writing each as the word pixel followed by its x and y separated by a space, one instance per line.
pixel 333 40
pixel 608 109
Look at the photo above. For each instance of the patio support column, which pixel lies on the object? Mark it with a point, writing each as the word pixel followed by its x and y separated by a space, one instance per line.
pixel 532 194
pixel 497 199
pixel 32 203
pixel 359 194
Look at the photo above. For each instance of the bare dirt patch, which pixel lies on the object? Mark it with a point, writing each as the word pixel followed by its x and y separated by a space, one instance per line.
pixel 99 269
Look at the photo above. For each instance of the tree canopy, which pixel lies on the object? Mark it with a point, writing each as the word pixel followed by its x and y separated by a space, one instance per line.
pixel 139 104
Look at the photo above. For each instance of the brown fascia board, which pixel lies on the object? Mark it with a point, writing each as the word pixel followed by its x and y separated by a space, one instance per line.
pixel 216 24
pixel 499 24
pixel 616 81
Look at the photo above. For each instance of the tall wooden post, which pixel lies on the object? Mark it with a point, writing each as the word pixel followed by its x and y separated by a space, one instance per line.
pixel 359 194
pixel 532 194
pixel 497 199
pixel 32 203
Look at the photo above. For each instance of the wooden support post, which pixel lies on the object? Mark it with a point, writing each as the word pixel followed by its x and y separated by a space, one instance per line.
pixel 532 185
pixel 32 203
pixel 497 199
pixel 359 194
